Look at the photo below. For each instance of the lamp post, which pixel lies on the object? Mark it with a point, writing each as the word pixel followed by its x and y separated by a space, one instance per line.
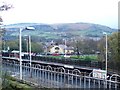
pixel 65 47
pixel 20 48
pixel 106 52
pixel 20 51
pixel 30 55
pixel 20 56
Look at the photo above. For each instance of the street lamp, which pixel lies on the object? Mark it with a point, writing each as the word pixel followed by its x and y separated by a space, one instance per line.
pixel 65 48
pixel 30 54
pixel 106 50
pixel 20 48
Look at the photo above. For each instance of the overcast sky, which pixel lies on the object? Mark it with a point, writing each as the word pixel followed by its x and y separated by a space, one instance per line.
pixel 104 12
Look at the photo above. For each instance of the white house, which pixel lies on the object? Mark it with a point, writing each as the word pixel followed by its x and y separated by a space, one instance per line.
pixel 60 49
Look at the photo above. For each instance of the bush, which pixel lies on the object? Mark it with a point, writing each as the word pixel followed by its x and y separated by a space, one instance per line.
pixel 10 83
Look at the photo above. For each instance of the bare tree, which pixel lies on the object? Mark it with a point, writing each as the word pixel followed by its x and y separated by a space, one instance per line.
pixel 3 7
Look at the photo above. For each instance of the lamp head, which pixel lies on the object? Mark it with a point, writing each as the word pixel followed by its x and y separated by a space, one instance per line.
pixel 104 33
pixel 30 28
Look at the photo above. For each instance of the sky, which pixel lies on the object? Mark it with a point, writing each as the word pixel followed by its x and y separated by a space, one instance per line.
pixel 104 12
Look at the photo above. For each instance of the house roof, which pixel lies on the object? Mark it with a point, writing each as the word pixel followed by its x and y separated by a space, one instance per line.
pixel 70 48
pixel 62 46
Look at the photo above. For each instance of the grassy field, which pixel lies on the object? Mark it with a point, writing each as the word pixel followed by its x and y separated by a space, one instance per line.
pixel 86 57
pixel 80 57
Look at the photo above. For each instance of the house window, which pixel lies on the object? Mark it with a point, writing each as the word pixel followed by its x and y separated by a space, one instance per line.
pixel 57 48
pixel 56 52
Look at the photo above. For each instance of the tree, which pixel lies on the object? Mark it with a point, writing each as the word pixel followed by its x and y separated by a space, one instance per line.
pixel 85 46
pixel 113 51
pixel 101 49
pixel 1 30
pixel 3 7
pixel 13 45
pixel 37 47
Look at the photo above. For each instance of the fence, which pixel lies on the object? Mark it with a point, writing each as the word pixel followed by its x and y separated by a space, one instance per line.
pixel 51 77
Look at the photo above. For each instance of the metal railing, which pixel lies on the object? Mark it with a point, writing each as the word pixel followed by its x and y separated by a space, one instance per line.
pixel 59 77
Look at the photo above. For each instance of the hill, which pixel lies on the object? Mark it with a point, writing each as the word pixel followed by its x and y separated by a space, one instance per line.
pixel 59 31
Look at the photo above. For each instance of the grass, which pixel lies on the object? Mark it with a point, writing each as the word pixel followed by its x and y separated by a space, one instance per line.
pixel 57 57
pixel 12 83
pixel 18 85
pixel 86 57
pixel 80 57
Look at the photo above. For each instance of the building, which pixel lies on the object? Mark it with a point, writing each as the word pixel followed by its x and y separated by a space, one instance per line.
pixel 59 49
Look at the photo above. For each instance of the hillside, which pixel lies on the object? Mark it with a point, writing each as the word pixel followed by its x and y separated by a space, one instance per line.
pixel 59 31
